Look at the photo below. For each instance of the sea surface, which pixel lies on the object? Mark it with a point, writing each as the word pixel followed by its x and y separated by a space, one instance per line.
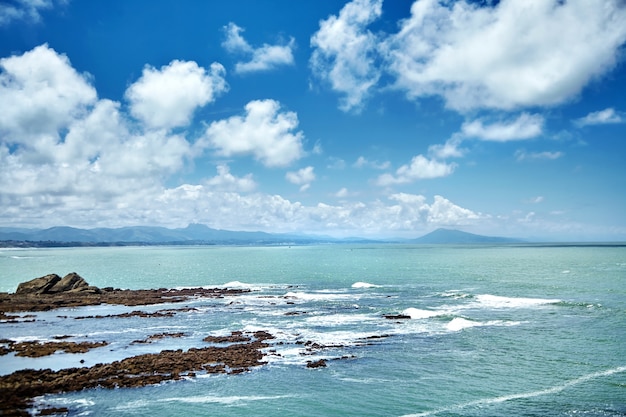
pixel 505 330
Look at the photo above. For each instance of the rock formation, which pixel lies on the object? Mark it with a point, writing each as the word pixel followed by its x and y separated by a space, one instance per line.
pixel 54 284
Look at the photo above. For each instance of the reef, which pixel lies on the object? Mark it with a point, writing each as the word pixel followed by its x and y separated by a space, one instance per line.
pixel 231 354
pixel 19 388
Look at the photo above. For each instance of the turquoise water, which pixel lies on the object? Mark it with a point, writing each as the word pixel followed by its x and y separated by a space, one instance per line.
pixel 494 330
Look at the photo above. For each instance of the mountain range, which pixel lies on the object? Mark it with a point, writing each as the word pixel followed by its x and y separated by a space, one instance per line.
pixel 202 234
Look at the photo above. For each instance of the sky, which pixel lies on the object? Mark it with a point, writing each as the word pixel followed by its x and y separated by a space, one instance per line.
pixel 366 118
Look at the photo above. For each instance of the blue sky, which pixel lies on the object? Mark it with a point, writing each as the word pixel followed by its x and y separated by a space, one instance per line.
pixel 366 118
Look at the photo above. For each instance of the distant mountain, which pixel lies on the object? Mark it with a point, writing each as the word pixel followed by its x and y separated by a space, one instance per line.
pixel 199 234
pixel 445 236
pixel 194 233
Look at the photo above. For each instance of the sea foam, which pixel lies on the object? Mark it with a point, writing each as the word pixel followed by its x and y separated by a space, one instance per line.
pixel 416 313
pixel 361 284
pixel 496 301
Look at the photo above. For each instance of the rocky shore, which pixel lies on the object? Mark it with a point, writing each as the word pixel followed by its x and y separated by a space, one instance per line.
pixel 51 292
pixel 225 354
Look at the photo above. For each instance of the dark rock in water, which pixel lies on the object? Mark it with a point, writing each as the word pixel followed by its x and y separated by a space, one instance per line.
pixel 397 316
pixel 38 285
pixel 316 364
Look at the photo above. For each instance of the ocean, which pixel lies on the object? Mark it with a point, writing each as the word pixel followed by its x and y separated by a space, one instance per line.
pixel 502 330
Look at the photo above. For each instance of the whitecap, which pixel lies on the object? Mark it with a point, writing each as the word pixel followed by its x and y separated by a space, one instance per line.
pixel 459 323
pixel 226 400
pixel 339 319
pixel 237 284
pixel 496 301
pixel 318 296
pixel 416 313
pixel 361 284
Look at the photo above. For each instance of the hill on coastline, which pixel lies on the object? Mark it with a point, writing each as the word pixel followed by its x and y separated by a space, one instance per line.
pixel 448 236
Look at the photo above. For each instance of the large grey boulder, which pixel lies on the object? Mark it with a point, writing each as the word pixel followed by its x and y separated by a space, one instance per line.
pixel 53 284
pixel 38 285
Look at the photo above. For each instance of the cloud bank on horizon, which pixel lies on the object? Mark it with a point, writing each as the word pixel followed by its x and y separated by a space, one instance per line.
pixel 367 119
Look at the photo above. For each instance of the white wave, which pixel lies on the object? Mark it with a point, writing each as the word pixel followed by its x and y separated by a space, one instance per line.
pixel 237 284
pixel 339 319
pixel 319 296
pixel 455 294
pixel 460 323
pixel 496 301
pixel 416 313
pixel 230 400
pixel 361 284
pixel 524 395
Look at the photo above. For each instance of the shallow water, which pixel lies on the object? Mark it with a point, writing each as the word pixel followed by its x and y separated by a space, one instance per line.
pixel 494 330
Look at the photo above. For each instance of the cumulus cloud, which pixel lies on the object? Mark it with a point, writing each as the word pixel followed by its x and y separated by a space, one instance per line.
pixel 90 165
pixel 606 116
pixel 402 213
pixel 526 126
pixel 63 150
pixel 167 97
pixel 225 181
pixel 420 168
pixel 503 55
pixel 263 132
pixel 40 92
pixel 512 55
pixel 344 52
pixel 303 177
pixel 264 58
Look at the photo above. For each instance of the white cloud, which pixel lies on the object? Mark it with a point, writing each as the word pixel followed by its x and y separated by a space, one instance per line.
pixel 516 54
pixel 450 149
pixel 363 162
pixel 66 156
pixel 522 155
pixel 342 193
pixel 526 126
pixel 225 181
pixel 419 168
pixel 264 132
pixel 234 42
pixel 403 213
pixel 606 116
pixel 303 177
pixel 168 97
pixel 263 58
pixel 23 10
pixel 344 52
pixel 40 93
